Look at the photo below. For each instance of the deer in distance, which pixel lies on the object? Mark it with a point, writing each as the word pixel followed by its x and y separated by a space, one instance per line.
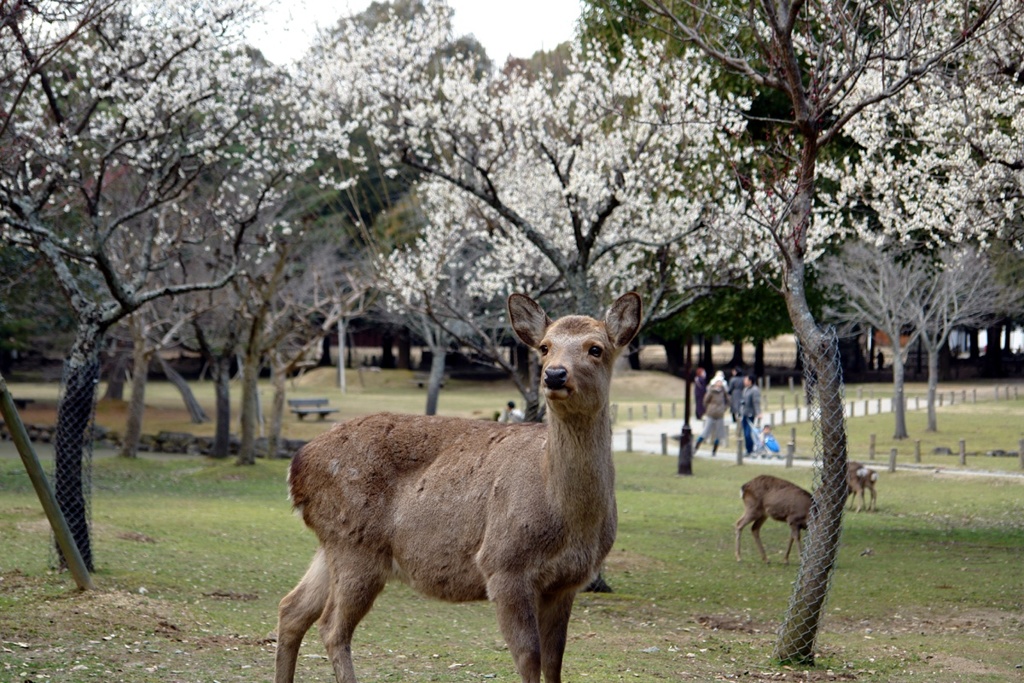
pixel 520 514
pixel 766 496
pixel 858 479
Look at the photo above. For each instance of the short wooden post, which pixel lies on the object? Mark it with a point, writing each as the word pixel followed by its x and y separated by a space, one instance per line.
pixel 963 396
pixel 740 443
pixel 996 389
pixel 1007 392
pixel 974 395
pixel 664 444
pixel 892 460
pixel 792 436
pixel 629 413
pixel 879 407
pixel 952 398
pixel 917 403
pixel 629 440
pixel 940 399
pixel 963 452
pixel 860 393
pixel 673 409
pixel 615 413
pixel 871 447
pixel 791 384
pixel 645 412
pixel 866 411
pixel 1020 452
pixel 917 450
pixel 790 451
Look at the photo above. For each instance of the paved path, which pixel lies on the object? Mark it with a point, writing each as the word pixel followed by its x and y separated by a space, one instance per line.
pixel 656 438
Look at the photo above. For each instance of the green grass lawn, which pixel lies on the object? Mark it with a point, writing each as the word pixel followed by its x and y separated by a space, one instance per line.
pixel 193 555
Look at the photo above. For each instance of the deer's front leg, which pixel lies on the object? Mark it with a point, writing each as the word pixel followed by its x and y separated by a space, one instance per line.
pixel 554 627
pixel 516 603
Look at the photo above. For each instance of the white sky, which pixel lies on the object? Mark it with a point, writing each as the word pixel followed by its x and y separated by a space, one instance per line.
pixel 519 28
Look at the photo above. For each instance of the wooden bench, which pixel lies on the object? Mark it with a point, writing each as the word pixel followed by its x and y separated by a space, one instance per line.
pixel 421 379
pixel 310 406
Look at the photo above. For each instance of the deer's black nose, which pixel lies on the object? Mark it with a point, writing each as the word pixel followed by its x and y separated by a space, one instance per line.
pixel 555 378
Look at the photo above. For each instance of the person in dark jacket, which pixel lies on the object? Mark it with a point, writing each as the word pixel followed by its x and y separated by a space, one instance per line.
pixel 700 387
pixel 735 389
pixel 750 410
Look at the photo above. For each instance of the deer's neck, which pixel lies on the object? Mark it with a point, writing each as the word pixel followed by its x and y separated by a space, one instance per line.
pixel 579 462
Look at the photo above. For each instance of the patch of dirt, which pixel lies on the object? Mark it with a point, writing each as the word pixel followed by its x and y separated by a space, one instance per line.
pixel 137 536
pixel 624 561
pixel 721 622
pixel 232 595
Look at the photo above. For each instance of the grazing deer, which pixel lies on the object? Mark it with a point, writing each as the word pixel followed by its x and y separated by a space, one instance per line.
pixel 859 478
pixel 767 496
pixel 520 514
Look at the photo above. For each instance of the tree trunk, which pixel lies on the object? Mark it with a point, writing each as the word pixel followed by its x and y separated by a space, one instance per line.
pixel 278 380
pixel 437 366
pixel 137 404
pixel 821 544
pixel 737 354
pixel 221 371
pixel 404 351
pixel 250 409
pixel 993 361
pixel 195 410
pixel 674 356
pixel 933 388
pixel 387 352
pixel 633 353
pixel 115 378
pixel 74 420
pixel 759 358
pixel 899 405
pixel 708 362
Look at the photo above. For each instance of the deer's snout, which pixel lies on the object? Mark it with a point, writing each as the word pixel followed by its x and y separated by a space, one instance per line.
pixel 555 378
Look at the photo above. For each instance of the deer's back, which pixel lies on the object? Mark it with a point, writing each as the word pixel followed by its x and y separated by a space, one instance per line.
pixel 446 500
pixel 778 498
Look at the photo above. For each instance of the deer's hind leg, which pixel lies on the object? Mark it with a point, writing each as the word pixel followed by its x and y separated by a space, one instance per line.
pixel 356 579
pixel 297 613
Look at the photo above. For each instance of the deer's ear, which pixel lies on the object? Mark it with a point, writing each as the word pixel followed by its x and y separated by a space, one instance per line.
pixel 623 319
pixel 529 321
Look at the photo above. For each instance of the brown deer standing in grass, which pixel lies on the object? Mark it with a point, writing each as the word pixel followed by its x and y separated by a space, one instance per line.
pixel 520 514
pixel 859 478
pixel 767 496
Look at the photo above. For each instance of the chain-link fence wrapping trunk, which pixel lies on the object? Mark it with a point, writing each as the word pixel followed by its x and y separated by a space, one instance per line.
pixel 823 375
pixel 72 464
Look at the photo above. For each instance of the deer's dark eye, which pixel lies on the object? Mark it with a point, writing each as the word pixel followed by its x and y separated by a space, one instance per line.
pixel 543 348
pixel 596 351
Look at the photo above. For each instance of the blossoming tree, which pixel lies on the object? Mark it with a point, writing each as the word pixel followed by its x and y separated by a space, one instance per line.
pixel 830 62
pixel 599 177
pixel 150 137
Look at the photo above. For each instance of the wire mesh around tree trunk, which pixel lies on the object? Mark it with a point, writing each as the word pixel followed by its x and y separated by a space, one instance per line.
pixel 73 451
pixel 823 377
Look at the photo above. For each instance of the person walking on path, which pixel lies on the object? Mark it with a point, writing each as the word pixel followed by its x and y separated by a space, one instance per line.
pixel 700 387
pixel 750 410
pixel 735 390
pixel 716 401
